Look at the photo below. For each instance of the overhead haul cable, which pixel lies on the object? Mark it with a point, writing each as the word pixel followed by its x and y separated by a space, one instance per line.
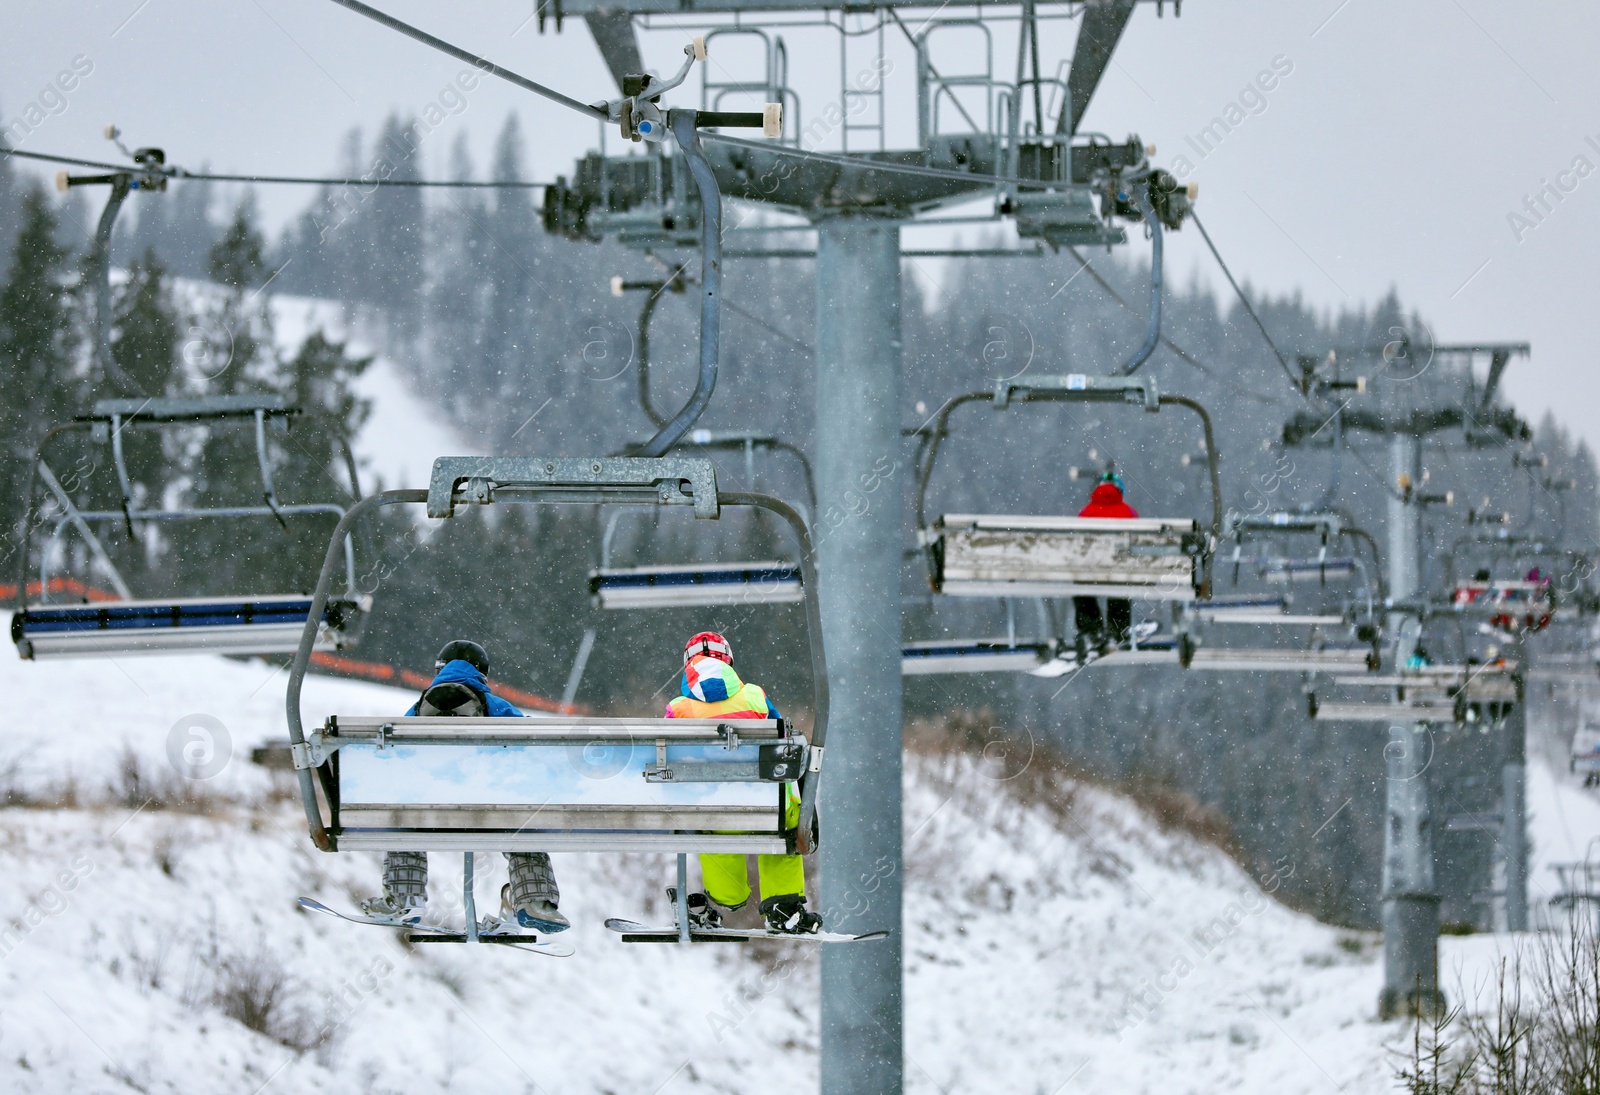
pixel 293 180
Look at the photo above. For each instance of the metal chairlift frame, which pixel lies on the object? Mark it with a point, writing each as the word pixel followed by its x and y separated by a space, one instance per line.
pixel 1328 526
pixel 776 757
pixel 188 623
pixel 1320 655
pixel 1437 693
pixel 1078 387
pixel 760 582
pixel 1585 754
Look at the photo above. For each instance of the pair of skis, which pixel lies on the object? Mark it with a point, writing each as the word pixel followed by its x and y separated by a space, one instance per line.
pixel 498 932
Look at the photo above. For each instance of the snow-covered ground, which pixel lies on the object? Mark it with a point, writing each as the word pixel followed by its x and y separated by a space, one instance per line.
pixel 1054 943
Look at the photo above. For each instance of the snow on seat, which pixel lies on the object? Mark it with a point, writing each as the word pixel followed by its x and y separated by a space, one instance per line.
pixel 697 586
pixel 223 625
pixel 557 784
pixel 972 656
pixel 1146 558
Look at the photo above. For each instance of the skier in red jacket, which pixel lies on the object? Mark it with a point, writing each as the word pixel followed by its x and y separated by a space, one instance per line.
pixel 1106 501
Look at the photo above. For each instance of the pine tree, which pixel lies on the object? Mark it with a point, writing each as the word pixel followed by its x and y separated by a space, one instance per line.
pixel 38 345
pixel 456 295
pixel 393 225
pixel 144 343
pixel 10 205
pixel 144 340
pixel 224 555
pixel 188 232
pixel 510 318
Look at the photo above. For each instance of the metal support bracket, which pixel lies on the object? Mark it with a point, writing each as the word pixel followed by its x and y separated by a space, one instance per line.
pixel 475 479
pixel 1080 387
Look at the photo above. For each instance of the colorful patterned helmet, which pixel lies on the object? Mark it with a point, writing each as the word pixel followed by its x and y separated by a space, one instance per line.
pixel 707 644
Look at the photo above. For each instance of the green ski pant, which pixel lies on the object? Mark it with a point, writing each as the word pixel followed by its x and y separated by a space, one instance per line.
pixel 727 880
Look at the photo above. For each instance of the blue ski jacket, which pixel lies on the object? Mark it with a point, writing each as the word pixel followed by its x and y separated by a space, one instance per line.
pixel 463 672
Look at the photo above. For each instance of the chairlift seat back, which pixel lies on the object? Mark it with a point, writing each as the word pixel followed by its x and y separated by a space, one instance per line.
pixel 1148 558
pixel 697 586
pixel 558 784
pixel 972 656
pixel 221 625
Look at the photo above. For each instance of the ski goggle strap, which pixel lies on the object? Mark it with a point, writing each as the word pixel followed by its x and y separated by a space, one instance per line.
pixel 707 644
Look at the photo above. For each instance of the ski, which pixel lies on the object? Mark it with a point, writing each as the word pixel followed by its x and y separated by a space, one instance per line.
pixel 634 932
pixel 419 933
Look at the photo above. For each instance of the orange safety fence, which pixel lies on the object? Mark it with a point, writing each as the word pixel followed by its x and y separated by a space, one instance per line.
pixel 381 673
pixel 61 585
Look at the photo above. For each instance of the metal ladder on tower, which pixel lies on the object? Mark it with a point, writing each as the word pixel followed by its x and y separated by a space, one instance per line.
pixel 861 50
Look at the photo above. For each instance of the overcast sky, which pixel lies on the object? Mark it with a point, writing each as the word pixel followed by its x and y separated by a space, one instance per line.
pixel 1393 151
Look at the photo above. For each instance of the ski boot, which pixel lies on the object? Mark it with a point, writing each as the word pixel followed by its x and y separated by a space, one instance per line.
pixel 405 889
pixel 788 914
pixel 530 898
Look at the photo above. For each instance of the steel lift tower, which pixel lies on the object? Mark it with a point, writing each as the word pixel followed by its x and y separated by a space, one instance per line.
pixel 1410 898
pixel 979 137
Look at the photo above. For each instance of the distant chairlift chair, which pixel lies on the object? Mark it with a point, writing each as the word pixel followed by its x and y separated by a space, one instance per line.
pixel 1510 605
pixel 562 784
pixel 1586 754
pixel 1358 650
pixel 703 585
pixel 1434 694
pixel 247 624
pixel 1048 556
pixel 1004 654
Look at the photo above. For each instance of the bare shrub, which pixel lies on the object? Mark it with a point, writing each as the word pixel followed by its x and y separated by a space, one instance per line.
pixel 1035 774
pixel 256 991
pixel 137 783
pixel 148 958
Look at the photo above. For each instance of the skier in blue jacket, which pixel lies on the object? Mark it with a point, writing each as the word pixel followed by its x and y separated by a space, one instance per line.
pixel 460 688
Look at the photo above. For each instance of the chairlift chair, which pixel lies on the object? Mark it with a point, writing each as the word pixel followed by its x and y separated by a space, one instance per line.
pixel 703 585
pixel 1000 654
pixel 1437 693
pixel 997 655
pixel 240 624
pixel 1528 605
pixel 1586 754
pixel 1323 649
pixel 1143 558
pixel 562 784
pixel 1321 568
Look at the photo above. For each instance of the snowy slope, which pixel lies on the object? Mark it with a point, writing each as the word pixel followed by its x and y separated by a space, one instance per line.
pixel 1051 940
pixel 403 434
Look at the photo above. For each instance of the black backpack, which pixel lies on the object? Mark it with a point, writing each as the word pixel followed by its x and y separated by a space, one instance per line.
pixel 452 698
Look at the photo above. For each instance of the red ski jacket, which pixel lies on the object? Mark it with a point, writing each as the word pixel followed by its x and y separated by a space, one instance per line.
pixel 1106 501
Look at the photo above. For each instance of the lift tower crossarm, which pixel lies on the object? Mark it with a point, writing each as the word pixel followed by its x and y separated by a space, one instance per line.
pixel 1103 24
